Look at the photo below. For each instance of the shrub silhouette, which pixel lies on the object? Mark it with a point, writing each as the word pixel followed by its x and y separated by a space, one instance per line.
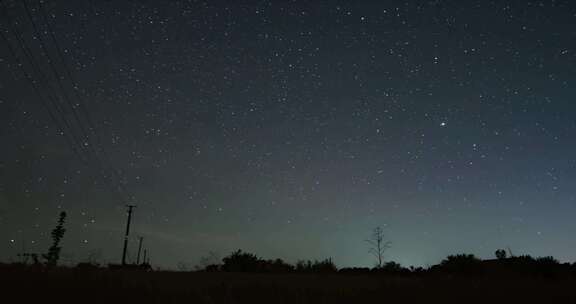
pixel 323 266
pixel 355 270
pixel 464 264
pixel 240 261
pixel 500 254
pixel 542 266
pixel 53 254
pixel 279 266
pixel 209 261
pixel 213 268
pixel 459 264
pixel 547 261
pixel 392 268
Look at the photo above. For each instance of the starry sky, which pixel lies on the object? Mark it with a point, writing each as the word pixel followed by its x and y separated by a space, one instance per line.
pixel 288 128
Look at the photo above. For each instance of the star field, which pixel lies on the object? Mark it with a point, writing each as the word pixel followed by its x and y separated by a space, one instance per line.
pixel 292 128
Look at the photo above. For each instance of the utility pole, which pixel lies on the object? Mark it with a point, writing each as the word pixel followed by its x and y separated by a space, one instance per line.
pixel 139 250
pixel 130 207
pixel 145 255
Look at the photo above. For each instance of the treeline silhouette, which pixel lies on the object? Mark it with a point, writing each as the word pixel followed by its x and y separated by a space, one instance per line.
pixel 244 262
pixel 240 261
pixel 458 264
pixel 243 277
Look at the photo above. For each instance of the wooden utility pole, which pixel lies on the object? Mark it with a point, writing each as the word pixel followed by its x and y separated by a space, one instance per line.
pixel 139 250
pixel 130 207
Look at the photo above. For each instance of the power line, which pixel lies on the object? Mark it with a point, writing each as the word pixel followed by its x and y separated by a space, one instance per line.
pixel 38 92
pixel 53 67
pixel 64 124
pixel 87 144
pixel 80 102
pixel 53 116
pixel 74 83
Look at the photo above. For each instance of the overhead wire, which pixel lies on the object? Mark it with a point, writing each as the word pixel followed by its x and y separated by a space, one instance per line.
pixel 81 101
pixel 50 102
pixel 63 125
pixel 86 144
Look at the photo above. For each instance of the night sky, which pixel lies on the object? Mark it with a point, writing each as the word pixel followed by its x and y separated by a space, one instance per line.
pixel 289 128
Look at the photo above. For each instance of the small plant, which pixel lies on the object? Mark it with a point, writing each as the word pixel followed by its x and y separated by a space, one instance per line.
pixel 53 254
pixel 500 254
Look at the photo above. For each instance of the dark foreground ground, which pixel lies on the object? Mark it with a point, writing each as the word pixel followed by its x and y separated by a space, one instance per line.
pixel 30 285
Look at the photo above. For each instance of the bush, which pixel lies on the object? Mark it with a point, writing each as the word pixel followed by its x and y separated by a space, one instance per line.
pixel 463 264
pixel 500 254
pixel 392 268
pixel 240 261
pixel 324 266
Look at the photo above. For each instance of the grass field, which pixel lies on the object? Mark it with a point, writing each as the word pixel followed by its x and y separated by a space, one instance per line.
pixel 62 285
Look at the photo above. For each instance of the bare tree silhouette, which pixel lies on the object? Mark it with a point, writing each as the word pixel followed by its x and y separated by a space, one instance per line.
pixel 378 245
